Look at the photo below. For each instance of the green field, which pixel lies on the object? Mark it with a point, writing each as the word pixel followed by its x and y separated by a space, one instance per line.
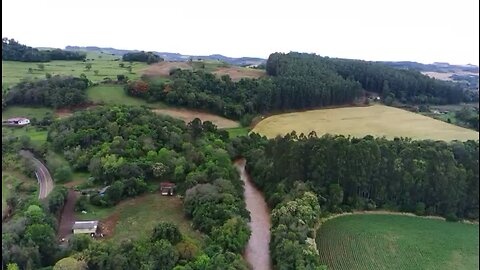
pixel 235 132
pixel 376 120
pixel 377 241
pixel 25 111
pixel 14 71
pixel 37 137
pixel 114 94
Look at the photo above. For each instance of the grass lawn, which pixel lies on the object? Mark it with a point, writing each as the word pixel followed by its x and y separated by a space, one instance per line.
pixel 235 132
pixel 25 111
pixel 13 71
pixel 114 94
pixel 397 242
pixel 376 120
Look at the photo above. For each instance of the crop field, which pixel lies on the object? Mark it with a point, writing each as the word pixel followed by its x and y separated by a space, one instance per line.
pixel 376 120
pixel 107 66
pixel 374 241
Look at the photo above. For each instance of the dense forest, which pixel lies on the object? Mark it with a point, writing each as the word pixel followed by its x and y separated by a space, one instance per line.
pixel 14 51
pixel 408 86
pixel 148 57
pixel 425 177
pixel 57 92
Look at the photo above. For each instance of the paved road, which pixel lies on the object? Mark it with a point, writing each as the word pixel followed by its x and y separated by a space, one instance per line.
pixel 41 172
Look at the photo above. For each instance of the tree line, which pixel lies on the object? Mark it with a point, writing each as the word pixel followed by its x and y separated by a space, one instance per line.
pixel 12 50
pixel 148 57
pixel 405 85
pixel 56 92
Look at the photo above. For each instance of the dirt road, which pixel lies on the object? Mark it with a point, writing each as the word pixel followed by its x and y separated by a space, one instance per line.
pixel 68 215
pixel 257 252
pixel 41 172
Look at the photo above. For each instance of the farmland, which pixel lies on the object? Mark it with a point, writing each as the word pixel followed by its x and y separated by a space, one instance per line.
pixel 373 241
pixel 376 120
pixel 107 66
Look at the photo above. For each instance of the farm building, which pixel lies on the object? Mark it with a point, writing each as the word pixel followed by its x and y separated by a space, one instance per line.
pixel 167 188
pixel 17 121
pixel 85 227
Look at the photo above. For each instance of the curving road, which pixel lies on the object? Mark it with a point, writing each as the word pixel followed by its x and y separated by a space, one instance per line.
pixel 41 172
pixel 257 252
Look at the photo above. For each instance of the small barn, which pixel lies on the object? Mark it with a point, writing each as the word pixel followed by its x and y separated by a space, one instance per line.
pixel 17 121
pixel 89 227
pixel 167 188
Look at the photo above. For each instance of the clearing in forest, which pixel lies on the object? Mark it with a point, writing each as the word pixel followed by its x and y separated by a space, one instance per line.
pixel 136 217
pixel 375 241
pixel 376 120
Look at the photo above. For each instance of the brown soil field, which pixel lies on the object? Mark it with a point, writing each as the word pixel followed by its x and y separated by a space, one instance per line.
pixel 188 115
pixel 237 73
pixel 163 68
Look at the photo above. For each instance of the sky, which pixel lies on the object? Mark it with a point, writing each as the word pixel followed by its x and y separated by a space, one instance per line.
pixel 425 31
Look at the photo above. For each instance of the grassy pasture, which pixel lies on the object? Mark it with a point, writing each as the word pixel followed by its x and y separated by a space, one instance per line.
pixel 14 71
pixel 114 94
pixel 25 111
pixel 376 120
pixel 375 241
pixel 37 137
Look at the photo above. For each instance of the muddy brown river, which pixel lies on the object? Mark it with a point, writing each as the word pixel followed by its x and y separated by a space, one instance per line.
pixel 257 252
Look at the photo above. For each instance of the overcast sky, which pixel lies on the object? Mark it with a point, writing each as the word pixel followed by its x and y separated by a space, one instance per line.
pixel 417 30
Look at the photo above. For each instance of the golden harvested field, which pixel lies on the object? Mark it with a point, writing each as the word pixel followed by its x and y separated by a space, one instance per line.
pixel 376 120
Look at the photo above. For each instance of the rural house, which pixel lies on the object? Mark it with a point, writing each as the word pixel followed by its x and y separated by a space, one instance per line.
pixel 17 121
pixel 85 227
pixel 167 188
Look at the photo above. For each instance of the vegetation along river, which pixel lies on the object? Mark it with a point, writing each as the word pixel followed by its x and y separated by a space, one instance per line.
pixel 257 251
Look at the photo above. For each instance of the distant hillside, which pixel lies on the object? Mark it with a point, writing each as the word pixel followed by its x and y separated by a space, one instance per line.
pixel 435 67
pixel 242 61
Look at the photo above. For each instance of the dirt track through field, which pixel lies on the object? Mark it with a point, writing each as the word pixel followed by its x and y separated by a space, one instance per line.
pixel 257 252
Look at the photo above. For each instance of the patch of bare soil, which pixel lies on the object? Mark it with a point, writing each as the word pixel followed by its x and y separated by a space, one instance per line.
pixel 67 218
pixel 188 115
pixel 237 73
pixel 163 68
pixel 107 226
